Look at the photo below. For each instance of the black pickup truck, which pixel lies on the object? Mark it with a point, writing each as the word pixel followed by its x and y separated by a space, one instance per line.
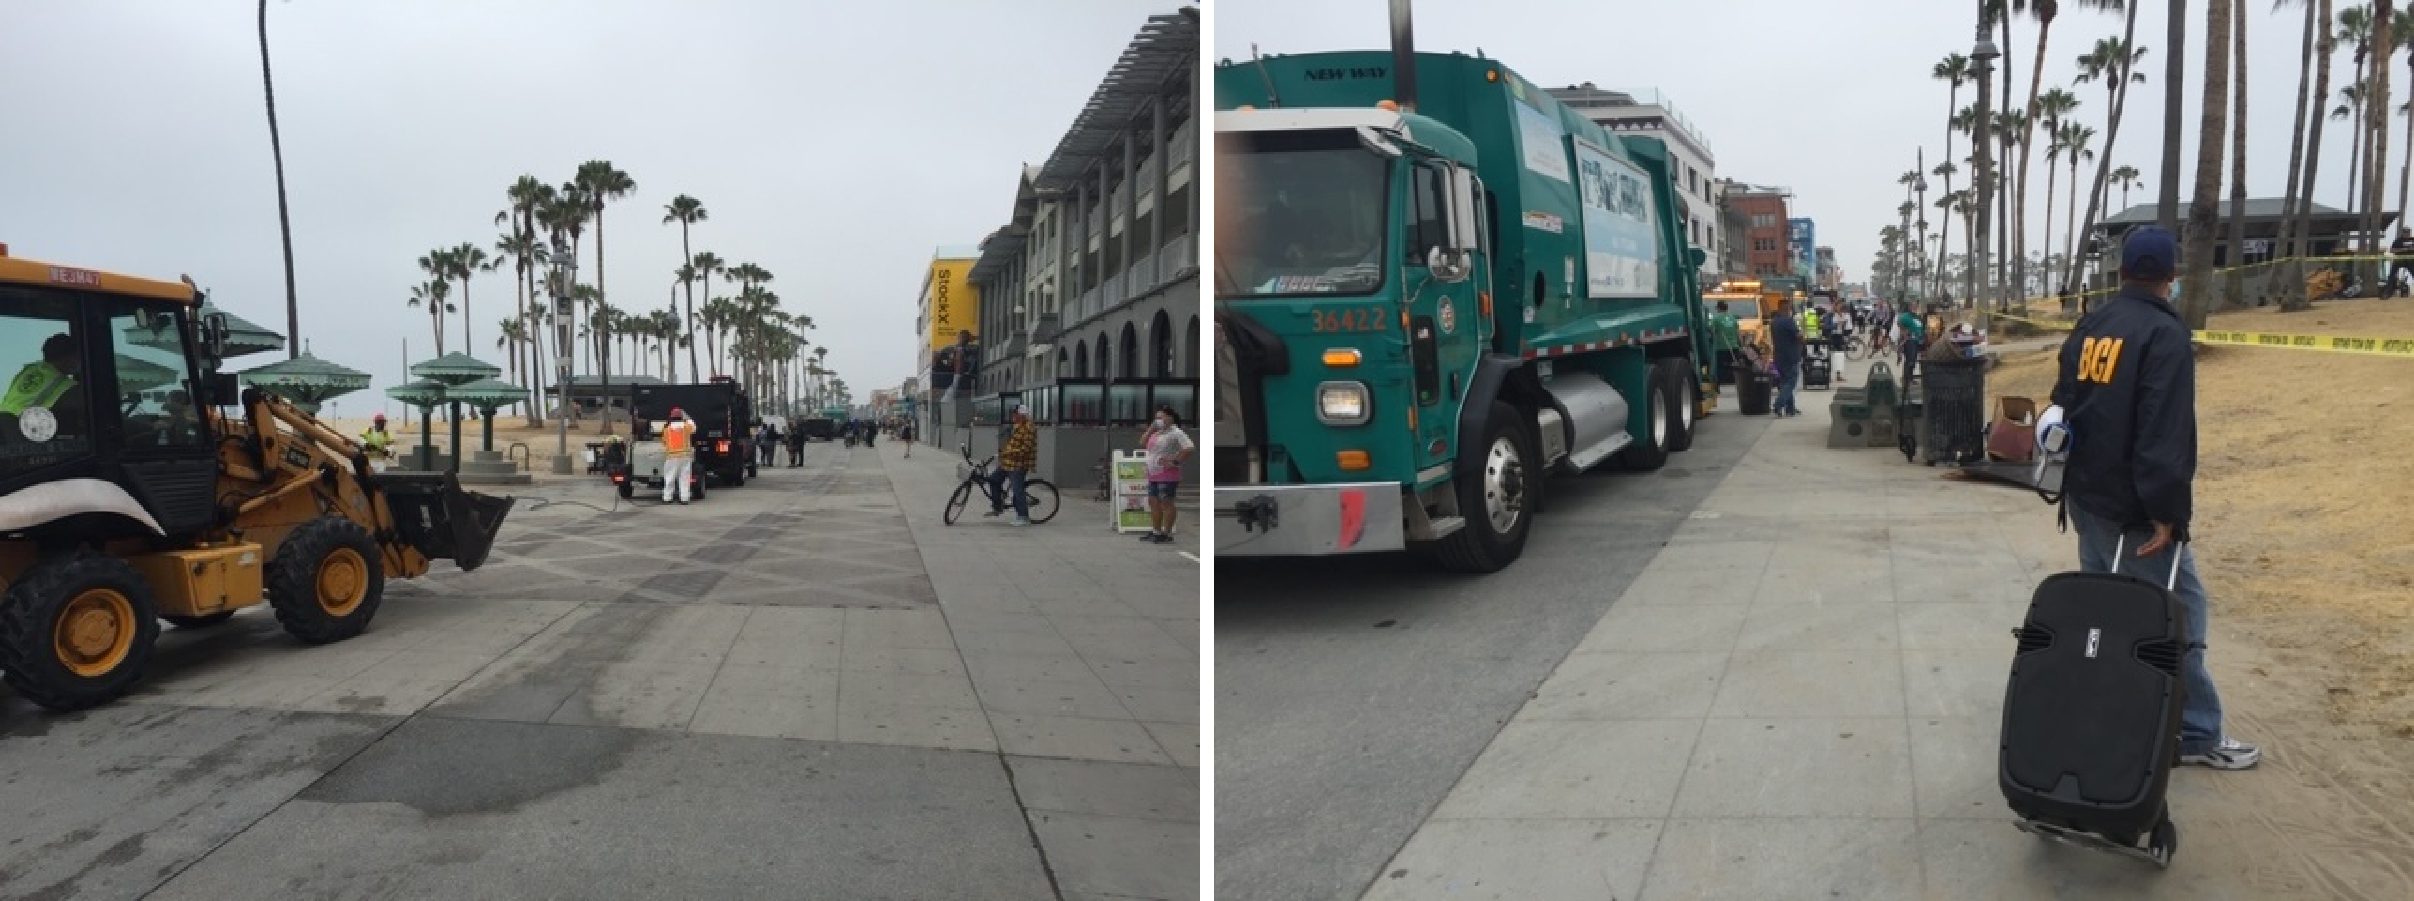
pixel 724 424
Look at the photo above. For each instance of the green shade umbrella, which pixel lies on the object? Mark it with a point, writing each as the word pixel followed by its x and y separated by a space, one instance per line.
pixel 486 395
pixel 424 394
pixel 135 375
pixel 306 380
pixel 456 369
pixel 243 338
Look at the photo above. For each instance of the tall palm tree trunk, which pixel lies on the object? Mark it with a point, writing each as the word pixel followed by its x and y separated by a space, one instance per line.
pixel 2204 211
pixel 2174 102
pixel 2236 292
pixel 276 148
pixel 2070 214
pixel 2295 298
pixel 2101 190
pixel 2287 244
pixel 2376 129
pixel 2050 173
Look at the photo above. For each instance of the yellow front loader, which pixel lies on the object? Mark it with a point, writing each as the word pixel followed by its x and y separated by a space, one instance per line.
pixel 129 494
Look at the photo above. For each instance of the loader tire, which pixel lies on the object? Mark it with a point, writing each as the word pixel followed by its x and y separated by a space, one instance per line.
pixel 77 630
pixel 203 621
pixel 326 580
pixel 1506 480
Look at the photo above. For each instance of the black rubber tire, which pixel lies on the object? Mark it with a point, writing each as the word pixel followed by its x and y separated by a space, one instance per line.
pixel 30 617
pixel 735 477
pixel 1477 547
pixel 1042 496
pixel 957 501
pixel 1644 454
pixel 198 622
pixel 695 486
pixel 628 490
pixel 1686 402
pixel 294 573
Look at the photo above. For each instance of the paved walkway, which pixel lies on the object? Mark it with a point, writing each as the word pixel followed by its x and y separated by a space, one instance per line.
pixel 1800 698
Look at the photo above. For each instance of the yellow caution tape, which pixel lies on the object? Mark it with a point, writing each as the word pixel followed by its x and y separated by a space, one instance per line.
pixel 2385 347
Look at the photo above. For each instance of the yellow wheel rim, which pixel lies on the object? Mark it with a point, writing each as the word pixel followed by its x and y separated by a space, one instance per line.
pixel 343 581
pixel 95 632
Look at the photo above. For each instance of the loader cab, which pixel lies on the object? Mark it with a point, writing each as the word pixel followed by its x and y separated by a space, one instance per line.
pixel 100 393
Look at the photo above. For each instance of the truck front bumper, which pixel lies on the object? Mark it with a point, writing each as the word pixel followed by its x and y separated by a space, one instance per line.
pixel 1308 520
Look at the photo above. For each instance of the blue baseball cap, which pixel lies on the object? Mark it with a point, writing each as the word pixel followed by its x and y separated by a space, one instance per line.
pixel 2149 254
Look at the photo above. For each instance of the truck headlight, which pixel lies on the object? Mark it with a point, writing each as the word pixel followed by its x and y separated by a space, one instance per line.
pixel 1344 403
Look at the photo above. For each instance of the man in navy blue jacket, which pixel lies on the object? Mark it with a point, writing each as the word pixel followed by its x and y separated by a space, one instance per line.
pixel 1785 341
pixel 2128 392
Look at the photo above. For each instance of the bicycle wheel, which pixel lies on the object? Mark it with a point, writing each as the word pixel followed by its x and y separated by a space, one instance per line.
pixel 1042 496
pixel 1855 348
pixel 955 505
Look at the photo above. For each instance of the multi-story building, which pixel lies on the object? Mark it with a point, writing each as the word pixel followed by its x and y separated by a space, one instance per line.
pixel 1648 114
pixel 1766 252
pixel 1831 276
pixel 948 314
pixel 1802 240
pixel 1090 289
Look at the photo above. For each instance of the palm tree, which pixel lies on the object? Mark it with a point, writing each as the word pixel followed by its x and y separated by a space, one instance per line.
pixel 2376 128
pixel 2355 28
pixel 276 149
pixel 2055 106
pixel 2044 11
pixel 2325 45
pixel 528 256
pixel 2351 110
pixel 2113 61
pixel 510 334
pixel 2011 131
pixel 687 211
pixel 432 295
pixel 437 264
pixel 562 212
pixel 2403 26
pixel 2126 177
pixel 1953 70
pixel 603 184
pixel 2287 246
pixel 707 265
pixel 2204 211
pixel 2074 140
pixel 461 263
pixel 2236 290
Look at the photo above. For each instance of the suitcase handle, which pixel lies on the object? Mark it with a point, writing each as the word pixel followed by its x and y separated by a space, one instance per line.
pixel 2120 547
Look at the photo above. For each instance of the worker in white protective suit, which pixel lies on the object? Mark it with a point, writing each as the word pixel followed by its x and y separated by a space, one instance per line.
pixel 678 455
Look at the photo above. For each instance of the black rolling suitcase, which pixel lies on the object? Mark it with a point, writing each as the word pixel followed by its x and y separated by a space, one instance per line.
pixel 2091 717
pixel 1817 372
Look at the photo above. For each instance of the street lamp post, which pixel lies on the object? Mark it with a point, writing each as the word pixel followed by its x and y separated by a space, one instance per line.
pixel 1982 62
pixel 564 285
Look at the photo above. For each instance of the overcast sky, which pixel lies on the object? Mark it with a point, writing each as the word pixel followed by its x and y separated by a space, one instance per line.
pixel 1829 99
pixel 835 144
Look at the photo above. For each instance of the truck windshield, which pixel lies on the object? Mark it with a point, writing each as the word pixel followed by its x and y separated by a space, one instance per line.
pixel 1298 213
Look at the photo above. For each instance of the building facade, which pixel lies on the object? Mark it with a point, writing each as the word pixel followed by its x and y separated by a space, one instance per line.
pixel 1766 249
pixel 1802 242
pixel 1650 115
pixel 947 307
pixel 1831 276
pixel 1090 290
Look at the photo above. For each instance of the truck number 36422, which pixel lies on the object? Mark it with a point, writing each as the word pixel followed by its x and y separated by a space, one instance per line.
pixel 1350 321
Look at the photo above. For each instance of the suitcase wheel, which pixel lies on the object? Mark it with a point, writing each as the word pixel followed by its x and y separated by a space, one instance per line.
pixel 2163 844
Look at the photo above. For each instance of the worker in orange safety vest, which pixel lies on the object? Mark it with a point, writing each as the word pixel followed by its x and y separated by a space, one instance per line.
pixel 678 455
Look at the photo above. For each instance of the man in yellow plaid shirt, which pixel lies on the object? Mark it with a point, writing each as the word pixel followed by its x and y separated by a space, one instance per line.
pixel 1014 465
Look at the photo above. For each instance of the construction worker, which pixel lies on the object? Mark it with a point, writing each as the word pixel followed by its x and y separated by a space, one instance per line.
pixel 377 440
pixel 1726 330
pixel 43 382
pixel 678 455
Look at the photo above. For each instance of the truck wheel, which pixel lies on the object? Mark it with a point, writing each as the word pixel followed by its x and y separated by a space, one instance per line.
pixel 1685 388
pixel 1497 502
pixel 628 490
pixel 203 621
pixel 1650 449
pixel 326 580
pixel 77 631
pixel 735 477
pixel 695 485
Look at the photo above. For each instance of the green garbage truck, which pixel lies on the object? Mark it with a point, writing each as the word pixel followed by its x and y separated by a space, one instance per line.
pixel 1435 286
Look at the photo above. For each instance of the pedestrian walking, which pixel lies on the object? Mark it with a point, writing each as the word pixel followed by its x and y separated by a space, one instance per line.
pixel 767 445
pixel 1167 447
pixel 796 446
pixel 1912 332
pixel 1014 465
pixel 678 455
pixel 2127 391
pixel 1785 338
pixel 905 433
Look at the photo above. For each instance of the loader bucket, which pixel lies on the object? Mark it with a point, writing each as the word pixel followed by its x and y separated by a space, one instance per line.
pixel 433 514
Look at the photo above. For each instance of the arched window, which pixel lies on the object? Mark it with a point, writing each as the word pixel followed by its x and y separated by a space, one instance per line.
pixel 1129 365
pixel 1160 343
pixel 1064 363
pixel 1081 360
pixel 1106 358
pixel 1190 349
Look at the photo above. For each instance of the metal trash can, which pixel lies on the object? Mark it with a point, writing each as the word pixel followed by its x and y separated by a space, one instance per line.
pixel 1954 418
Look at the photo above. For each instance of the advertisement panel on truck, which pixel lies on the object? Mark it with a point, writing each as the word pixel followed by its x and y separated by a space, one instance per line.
pixel 1621 243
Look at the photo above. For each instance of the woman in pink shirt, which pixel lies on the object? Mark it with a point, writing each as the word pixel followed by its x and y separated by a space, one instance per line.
pixel 1167 447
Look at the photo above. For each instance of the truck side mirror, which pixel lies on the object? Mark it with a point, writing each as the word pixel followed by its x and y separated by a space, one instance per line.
pixel 1698 257
pixel 213 335
pixel 1462 209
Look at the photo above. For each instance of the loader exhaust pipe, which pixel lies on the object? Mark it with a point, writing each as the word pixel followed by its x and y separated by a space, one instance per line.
pixel 1403 58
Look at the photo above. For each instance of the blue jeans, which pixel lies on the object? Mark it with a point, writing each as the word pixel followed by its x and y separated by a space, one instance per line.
pixel 997 497
pixel 2200 720
pixel 1788 375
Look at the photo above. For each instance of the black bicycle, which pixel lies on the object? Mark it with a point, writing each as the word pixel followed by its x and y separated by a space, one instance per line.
pixel 970 476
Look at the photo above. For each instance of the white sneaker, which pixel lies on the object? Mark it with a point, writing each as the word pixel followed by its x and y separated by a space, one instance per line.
pixel 2230 754
pixel 1018 521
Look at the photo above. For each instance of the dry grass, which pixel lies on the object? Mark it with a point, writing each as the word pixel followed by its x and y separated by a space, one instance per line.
pixel 2305 500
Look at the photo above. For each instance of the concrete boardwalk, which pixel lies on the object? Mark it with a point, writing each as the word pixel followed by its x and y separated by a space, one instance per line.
pixel 780 691
pixel 1800 698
